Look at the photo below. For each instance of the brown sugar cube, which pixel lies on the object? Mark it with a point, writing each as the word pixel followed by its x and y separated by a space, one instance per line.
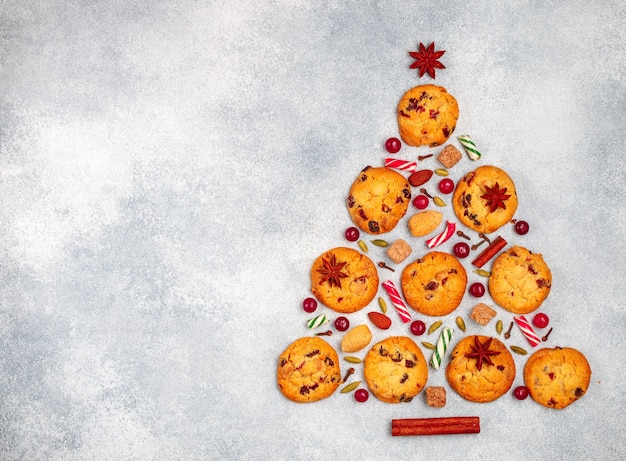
pixel 449 156
pixel 482 314
pixel 398 251
pixel 436 396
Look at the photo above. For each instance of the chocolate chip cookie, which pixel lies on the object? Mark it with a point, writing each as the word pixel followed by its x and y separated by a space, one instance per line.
pixel 378 199
pixel 344 279
pixel 427 115
pixel 395 369
pixel 520 280
pixel 308 370
pixel 434 284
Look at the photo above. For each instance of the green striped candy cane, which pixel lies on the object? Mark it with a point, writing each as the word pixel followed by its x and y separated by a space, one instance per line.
pixel 469 146
pixel 442 346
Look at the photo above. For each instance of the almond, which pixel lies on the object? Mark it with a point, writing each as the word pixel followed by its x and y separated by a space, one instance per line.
pixel 356 339
pixel 380 320
pixel 420 177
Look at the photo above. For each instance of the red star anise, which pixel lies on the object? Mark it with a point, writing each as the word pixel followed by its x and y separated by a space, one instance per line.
pixel 332 271
pixel 495 197
pixel 427 59
pixel 481 352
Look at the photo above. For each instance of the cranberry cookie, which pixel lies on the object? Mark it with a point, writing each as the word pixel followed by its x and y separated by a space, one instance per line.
pixel 344 279
pixel 434 284
pixel 427 116
pixel 557 377
pixel 481 369
pixel 485 199
pixel 308 370
pixel 520 280
pixel 378 199
pixel 395 369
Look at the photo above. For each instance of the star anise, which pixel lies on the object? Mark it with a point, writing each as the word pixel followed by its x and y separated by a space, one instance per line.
pixel 427 59
pixel 495 197
pixel 332 271
pixel 481 352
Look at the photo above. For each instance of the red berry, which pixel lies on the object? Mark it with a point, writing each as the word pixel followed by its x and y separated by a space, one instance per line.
pixel 477 289
pixel 521 392
pixel 420 202
pixel 418 327
pixel 352 234
pixel 541 320
pixel 309 305
pixel 342 323
pixel 461 249
pixel 446 185
pixel 361 395
pixel 521 227
pixel 393 145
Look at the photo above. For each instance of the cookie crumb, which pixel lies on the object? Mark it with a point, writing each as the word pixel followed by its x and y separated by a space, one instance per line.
pixel 449 156
pixel 436 396
pixel 398 251
pixel 482 314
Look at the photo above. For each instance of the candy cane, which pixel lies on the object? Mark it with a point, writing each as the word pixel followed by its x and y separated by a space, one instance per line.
pixel 442 346
pixel 400 164
pixel 527 330
pixel 445 235
pixel 469 146
pixel 396 300
pixel 317 321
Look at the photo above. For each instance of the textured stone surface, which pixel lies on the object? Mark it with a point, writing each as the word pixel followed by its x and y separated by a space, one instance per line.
pixel 169 171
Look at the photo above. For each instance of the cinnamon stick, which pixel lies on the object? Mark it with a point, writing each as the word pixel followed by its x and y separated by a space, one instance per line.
pixel 436 426
pixel 494 247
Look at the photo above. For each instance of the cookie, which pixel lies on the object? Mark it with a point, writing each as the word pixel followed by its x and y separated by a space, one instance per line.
pixel 481 369
pixel 378 199
pixel 434 284
pixel 557 377
pixel 520 280
pixel 427 115
pixel 308 370
pixel 485 199
pixel 395 369
pixel 344 279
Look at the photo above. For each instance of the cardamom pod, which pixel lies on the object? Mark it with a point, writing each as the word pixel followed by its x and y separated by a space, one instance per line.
pixel 428 345
pixel 434 326
pixel 383 305
pixel 518 350
pixel 363 246
pixel 441 172
pixel 380 243
pixel 460 323
pixel 350 387
pixel 438 201
pixel 499 326
pixel 482 273
pixel 352 359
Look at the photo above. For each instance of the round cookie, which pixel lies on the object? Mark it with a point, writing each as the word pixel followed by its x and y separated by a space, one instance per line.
pixel 489 382
pixel 520 280
pixel 344 279
pixel 427 115
pixel 557 377
pixel 378 199
pixel 434 284
pixel 395 369
pixel 308 370
pixel 485 199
